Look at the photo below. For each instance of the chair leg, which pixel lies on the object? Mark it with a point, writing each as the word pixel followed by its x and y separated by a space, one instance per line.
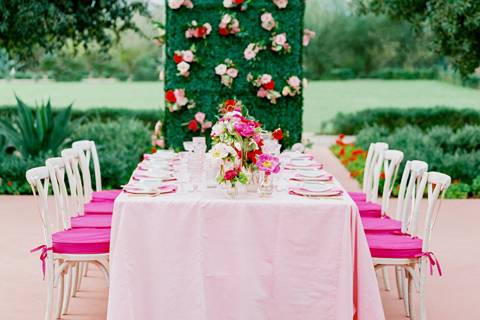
pixel 104 270
pixel 68 289
pixel 60 285
pixel 399 280
pixel 75 276
pixel 50 288
pixel 422 280
pixel 411 292
pixel 86 269
pixel 80 271
pixel 406 299
pixel 386 281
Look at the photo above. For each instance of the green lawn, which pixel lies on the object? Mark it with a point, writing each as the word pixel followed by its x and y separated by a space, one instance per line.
pixel 323 99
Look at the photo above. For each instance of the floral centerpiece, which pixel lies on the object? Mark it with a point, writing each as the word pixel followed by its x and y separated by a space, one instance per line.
pixel 237 143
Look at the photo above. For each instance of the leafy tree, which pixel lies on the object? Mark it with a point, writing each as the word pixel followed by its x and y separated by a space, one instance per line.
pixel 50 24
pixel 455 25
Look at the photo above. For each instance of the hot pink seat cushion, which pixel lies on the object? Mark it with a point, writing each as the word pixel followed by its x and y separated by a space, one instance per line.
pixel 82 241
pixel 358 196
pixel 381 225
pixel 105 195
pixel 369 209
pixel 103 207
pixel 394 246
pixel 92 221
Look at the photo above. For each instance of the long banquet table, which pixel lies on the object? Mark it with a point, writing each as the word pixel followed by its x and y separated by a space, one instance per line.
pixel 202 256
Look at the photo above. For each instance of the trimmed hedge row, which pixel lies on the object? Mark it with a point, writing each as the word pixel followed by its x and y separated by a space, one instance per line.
pixel 393 118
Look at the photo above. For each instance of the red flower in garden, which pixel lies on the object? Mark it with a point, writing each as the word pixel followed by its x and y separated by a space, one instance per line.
pixel 9 183
pixel 357 152
pixel 382 175
pixel 342 152
pixel 223 31
pixel 238 1
pixel 277 134
pixel 170 96
pixel 193 126
pixel 154 149
pixel 177 58
pixel 201 32
pixel 270 85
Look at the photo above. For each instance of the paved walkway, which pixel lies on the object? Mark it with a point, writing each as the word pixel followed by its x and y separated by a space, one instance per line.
pixel 453 296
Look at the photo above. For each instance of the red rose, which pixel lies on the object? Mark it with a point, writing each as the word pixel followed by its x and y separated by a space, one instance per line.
pixel 9 183
pixel 238 1
pixel 193 125
pixel 177 58
pixel 341 136
pixel 277 134
pixel 270 85
pixel 201 32
pixel 230 174
pixel 223 31
pixel 229 105
pixel 170 96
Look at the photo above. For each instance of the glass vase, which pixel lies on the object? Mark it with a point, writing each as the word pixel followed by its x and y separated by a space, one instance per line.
pixel 266 186
pixel 253 180
pixel 231 190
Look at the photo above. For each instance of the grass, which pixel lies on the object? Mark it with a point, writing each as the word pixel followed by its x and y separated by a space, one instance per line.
pixel 323 99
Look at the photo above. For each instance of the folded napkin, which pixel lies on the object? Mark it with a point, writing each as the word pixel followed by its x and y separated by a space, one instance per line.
pixel 141 176
pixel 307 178
pixel 312 166
pixel 299 191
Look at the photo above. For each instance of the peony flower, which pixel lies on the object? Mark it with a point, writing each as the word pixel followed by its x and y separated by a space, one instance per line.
pixel 281 4
pixel 294 82
pixel 200 117
pixel 266 78
pixel 232 72
pixel 268 164
pixel 244 129
pixel 230 175
pixel 221 69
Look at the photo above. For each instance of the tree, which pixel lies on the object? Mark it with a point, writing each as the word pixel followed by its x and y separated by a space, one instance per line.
pixel 454 24
pixel 49 24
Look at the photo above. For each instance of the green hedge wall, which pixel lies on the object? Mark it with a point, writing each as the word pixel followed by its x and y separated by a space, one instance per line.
pixel 203 85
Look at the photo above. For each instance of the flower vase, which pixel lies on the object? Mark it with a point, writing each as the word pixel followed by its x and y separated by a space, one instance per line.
pixel 266 186
pixel 253 180
pixel 232 190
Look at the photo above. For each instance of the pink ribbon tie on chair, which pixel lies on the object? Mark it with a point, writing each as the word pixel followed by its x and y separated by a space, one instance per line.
pixel 433 261
pixel 43 256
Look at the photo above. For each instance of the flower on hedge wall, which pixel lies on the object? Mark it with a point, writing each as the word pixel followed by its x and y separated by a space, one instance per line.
pixel 277 134
pixel 281 4
pixel 197 31
pixel 266 87
pixel 159 40
pixel 231 105
pixel 293 87
pixel 177 4
pixel 252 50
pixel 176 100
pixel 307 36
pixel 183 59
pixel 242 4
pixel 228 25
pixel 198 123
pixel 227 72
pixel 280 44
pixel 268 22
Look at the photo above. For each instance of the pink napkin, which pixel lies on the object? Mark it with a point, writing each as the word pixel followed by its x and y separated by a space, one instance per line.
pixel 140 176
pixel 290 166
pixel 168 188
pixel 307 193
pixel 319 177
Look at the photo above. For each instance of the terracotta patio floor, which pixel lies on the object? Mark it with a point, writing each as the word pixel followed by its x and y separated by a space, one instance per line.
pixel 456 242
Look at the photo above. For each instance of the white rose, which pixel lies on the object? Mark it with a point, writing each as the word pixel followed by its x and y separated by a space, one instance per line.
pixel 187 55
pixel 183 67
pixel 227 3
pixel 219 151
pixel 266 78
pixel 175 4
pixel 218 129
pixel 220 69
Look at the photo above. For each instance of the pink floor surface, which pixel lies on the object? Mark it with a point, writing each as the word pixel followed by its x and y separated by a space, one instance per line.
pixel 455 241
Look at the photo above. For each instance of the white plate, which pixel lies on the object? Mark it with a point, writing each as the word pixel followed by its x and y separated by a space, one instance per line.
pixel 310 173
pixel 316 187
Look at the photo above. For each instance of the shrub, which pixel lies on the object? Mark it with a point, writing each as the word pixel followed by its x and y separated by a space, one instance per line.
pixel 12 173
pixel 476 187
pixel 120 145
pixel 393 118
pixel 458 191
pixel 403 74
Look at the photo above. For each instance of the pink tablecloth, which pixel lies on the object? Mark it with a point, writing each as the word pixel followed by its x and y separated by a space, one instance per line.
pixel 200 256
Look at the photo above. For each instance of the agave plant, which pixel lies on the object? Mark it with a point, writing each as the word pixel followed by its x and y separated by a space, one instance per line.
pixel 37 130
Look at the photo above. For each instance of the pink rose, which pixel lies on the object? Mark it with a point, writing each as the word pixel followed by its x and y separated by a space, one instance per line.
pixel 220 69
pixel 232 72
pixel 208 26
pixel 280 39
pixel 189 33
pixel 187 56
pixel 249 54
pixel 281 4
pixel 175 4
pixel 207 125
pixel 268 23
pixel 188 4
pixel 200 117
pixel 266 78
pixel 262 93
pixel 226 19
pixel 294 81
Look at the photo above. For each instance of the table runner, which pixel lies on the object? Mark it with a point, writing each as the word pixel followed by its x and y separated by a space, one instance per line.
pixel 201 256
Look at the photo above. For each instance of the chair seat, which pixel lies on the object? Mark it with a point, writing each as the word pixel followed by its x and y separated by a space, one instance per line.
pixel 81 241
pixel 105 195
pixel 381 225
pixel 92 221
pixel 358 196
pixel 369 209
pixel 394 246
pixel 103 207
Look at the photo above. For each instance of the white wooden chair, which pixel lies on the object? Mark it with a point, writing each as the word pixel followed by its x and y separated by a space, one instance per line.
pixel 63 249
pixel 411 251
